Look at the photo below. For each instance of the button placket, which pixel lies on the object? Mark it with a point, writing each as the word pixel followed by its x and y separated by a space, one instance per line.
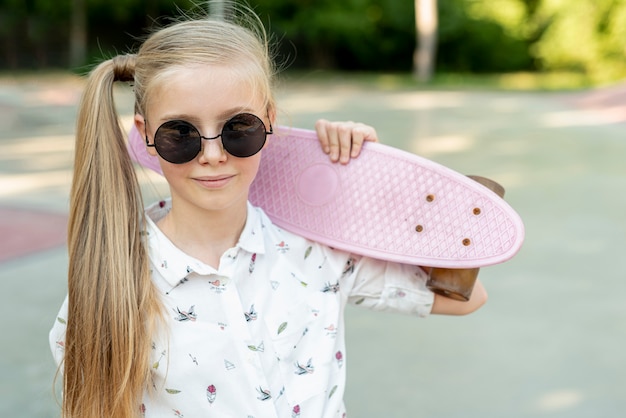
pixel 250 361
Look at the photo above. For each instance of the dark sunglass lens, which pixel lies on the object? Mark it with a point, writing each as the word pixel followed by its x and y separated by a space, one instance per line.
pixel 243 135
pixel 177 141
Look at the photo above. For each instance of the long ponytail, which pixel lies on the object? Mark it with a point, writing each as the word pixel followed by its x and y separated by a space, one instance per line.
pixel 112 303
pixel 113 306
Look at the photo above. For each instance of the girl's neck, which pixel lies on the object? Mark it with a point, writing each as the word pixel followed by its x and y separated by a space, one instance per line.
pixel 202 234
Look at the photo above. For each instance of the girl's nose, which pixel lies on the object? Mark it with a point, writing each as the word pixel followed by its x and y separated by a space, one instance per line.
pixel 212 151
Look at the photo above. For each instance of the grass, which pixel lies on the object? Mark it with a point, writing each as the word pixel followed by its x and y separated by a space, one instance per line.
pixel 526 81
pixel 561 81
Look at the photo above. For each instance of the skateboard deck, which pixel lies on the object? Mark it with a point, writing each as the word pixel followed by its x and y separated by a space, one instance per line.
pixel 386 204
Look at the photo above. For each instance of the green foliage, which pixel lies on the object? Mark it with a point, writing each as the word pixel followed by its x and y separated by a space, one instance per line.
pixel 35 33
pixel 28 30
pixel 478 36
pixel 584 36
pixel 351 34
pixel 590 38
pixel 483 36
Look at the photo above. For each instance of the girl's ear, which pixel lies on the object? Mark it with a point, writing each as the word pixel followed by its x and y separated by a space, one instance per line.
pixel 140 125
pixel 271 114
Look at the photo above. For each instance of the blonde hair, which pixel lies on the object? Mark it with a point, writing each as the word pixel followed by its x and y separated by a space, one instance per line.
pixel 242 45
pixel 114 308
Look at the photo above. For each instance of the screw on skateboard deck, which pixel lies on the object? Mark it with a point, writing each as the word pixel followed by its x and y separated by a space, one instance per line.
pixel 458 283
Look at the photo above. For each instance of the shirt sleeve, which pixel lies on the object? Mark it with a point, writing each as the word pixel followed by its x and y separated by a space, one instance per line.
pixel 386 286
pixel 57 334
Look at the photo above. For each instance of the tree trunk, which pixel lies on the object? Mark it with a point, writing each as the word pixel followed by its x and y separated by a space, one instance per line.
pixel 78 34
pixel 426 32
pixel 217 9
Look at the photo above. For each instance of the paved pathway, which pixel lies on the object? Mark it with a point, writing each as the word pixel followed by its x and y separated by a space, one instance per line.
pixel 549 343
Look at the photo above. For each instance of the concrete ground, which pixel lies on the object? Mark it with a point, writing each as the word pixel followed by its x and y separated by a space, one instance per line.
pixel 549 343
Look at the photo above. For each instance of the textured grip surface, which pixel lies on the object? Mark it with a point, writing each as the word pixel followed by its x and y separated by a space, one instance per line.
pixel 386 204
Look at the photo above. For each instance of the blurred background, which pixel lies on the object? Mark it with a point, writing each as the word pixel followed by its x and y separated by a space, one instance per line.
pixel 581 40
pixel 530 93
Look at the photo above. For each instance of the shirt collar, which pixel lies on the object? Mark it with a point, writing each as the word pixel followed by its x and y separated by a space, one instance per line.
pixel 251 238
pixel 173 264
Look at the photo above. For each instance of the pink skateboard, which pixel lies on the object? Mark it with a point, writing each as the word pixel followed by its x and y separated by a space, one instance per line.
pixel 387 204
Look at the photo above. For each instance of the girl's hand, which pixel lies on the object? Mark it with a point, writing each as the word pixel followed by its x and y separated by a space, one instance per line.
pixel 343 140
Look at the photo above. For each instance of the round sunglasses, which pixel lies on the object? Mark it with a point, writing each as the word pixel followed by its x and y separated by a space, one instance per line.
pixel 179 142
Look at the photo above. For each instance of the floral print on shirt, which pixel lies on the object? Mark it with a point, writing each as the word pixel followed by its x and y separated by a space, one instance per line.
pixel 260 335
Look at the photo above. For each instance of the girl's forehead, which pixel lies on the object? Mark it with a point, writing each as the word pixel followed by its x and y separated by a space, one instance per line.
pixel 196 79
pixel 198 88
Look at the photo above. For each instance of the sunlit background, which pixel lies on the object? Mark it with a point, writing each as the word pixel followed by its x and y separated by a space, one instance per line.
pixel 530 93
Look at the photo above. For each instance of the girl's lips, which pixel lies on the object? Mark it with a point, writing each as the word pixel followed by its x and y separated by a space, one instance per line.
pixel 213 182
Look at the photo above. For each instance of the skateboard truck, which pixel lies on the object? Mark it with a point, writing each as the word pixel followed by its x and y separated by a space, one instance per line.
pixel 458 284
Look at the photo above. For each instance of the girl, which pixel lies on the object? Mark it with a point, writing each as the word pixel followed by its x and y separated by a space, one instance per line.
pixel 201 307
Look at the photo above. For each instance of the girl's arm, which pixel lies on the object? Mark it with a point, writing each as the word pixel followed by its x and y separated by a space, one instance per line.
pixel 446 306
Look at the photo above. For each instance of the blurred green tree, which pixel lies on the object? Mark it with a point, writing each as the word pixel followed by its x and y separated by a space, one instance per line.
pixel 29 29
pixel 66 33
pixel 588 36
pixel 351 34
pixel 484 36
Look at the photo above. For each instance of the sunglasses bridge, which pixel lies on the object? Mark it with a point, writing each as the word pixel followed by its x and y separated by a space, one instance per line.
pixel 209 138
pixel 206 138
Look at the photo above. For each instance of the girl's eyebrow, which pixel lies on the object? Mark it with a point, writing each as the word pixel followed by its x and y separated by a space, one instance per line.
pixel 221 117
pixel 178 116
pixel 227 114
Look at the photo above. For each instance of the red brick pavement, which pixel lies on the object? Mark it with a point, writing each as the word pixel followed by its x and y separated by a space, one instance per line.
pixel 25 231
pixel 601 97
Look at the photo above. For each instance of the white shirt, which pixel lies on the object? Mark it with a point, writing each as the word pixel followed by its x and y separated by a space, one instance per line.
pixel 263 335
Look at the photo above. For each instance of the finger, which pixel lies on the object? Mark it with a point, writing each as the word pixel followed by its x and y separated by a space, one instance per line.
pixel 332 133
pixel 345 138
pixel 322 135
pixel 370 134
pixel 360 134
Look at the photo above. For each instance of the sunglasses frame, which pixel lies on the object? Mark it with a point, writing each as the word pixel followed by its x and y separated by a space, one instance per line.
pixel 201 137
